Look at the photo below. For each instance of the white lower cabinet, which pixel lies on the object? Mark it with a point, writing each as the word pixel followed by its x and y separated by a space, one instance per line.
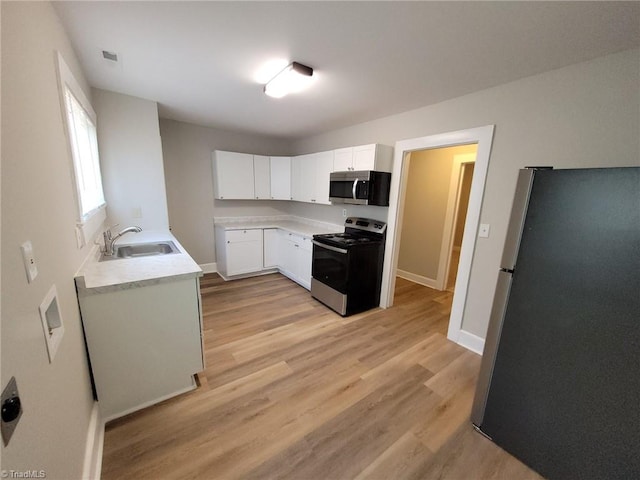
pixel 239 251
pixel 271 248
pixel 144 342
pixel 295 252
pixel 254 250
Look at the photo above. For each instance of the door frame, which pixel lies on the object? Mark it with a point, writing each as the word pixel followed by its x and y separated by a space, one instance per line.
pixel 483 137
pixel 451 218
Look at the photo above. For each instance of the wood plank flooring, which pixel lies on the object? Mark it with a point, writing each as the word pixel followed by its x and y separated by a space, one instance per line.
pixel 293 390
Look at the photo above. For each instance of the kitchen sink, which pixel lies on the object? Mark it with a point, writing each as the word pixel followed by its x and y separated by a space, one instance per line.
pixel 142 250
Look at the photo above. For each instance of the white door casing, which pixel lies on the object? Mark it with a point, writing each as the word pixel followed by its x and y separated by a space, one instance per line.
pixel 483 137
pixel 450 217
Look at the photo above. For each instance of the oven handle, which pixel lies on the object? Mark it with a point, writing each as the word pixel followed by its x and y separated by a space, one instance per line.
pixel 353 189
pixel 329 247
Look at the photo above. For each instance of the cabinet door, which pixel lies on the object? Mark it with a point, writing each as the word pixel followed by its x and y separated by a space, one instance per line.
pixel 287 253
pixel 296 178
pixel 343 159
pixel 323 169
pixel 304 262
pixel 244 251
pixel 262 177
pixel 303 178
pixel 281 178
pixel 364 157
pixel 271 248
pixel 233 175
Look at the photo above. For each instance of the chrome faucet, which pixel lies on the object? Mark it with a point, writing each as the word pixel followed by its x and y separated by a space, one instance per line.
pixel 110 239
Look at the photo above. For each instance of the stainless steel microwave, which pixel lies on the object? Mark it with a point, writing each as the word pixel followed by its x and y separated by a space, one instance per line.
pixel 366 187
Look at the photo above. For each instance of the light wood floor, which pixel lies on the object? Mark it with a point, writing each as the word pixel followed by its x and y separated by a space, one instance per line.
pixel 293 390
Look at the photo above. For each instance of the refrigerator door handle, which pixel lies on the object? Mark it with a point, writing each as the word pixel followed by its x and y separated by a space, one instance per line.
pixel 496 320
pixel 516 221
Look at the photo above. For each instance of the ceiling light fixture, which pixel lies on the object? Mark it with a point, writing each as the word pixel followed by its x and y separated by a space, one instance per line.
pixel 292 79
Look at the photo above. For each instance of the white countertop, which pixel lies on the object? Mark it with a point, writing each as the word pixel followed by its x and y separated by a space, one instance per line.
pixel 127 272
pixel 298 226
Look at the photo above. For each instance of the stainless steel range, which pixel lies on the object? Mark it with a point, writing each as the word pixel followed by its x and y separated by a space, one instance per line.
pixel 347 267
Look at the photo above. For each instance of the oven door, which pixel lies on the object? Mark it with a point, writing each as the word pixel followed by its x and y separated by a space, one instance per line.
pixel 330 266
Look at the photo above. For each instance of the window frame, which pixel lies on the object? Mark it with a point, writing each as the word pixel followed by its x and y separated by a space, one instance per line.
pixel 87 224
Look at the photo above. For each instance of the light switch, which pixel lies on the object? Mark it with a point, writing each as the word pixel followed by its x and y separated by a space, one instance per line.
pixel 484 230
pixel 29 261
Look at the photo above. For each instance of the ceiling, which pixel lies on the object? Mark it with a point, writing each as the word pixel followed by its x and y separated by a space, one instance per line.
pixel 372 59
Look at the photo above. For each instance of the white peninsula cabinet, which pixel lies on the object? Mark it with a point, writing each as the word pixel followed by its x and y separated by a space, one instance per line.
pixel 238 251
pixel 363 157
pixel 142 326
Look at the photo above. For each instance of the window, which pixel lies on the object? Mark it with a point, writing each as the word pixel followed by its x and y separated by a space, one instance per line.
pixel 84 148
pixel 80 120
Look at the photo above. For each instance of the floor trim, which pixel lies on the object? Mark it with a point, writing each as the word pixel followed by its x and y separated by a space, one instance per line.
pixel 209 267
pixel 471 342
pixel 412 277
pixel 92 466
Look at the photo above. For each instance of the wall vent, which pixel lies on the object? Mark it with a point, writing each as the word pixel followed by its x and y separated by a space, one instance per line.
pixel 110 56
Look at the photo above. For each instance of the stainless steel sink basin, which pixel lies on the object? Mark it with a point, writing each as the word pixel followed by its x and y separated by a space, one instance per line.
pixel 142 250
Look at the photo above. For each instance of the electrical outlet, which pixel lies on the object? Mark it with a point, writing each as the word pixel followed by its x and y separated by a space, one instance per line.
pixel 344 212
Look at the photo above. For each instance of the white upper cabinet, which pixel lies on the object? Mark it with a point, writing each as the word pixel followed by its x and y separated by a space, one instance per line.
pixel 343 159
pixel 310 177
pixel 363 157
pixel 304 178
pixel 281 178
pixel 233 175
pixel 262 177
pixel 323 168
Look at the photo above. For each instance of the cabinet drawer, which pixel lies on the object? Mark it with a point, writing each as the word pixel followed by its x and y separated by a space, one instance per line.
pixel 244 235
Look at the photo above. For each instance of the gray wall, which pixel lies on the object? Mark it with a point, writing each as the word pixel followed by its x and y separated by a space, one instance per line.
pixel 187 163
pixel 584 115
pixel 38 204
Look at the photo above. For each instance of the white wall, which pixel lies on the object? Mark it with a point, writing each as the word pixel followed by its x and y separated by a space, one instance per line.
pixel 38 205
pixel 584 115
pixel 187 161
pixel 131 160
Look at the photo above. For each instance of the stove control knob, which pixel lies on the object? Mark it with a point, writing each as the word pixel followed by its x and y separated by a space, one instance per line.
pixel 377 225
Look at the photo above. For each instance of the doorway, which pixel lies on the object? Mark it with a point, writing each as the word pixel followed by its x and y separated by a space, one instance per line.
pixel 482 136
pixel 434 199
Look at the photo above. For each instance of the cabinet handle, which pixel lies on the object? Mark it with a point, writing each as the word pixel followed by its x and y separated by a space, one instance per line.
pixel 228 241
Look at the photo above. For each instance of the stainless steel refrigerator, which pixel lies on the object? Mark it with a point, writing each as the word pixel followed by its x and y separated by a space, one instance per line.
pixel 559 384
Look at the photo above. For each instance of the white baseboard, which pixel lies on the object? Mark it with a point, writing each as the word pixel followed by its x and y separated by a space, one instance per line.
pixel 93 450
pixel 412 277
pixel 471 342
pixel 209 267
